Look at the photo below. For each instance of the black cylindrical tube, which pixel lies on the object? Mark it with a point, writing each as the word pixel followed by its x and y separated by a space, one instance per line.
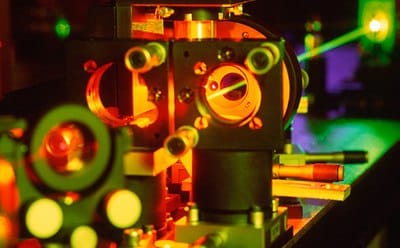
pixel 152 193
pixel 227 184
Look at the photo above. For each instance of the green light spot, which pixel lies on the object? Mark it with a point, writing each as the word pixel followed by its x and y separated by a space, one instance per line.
pixel 317 26
pixel 62 28
pixel 314 26
pixel 226 90
pixel 379 18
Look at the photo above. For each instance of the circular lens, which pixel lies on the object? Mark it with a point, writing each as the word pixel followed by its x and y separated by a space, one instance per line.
pixel 176 145
pixel 231 94
pixel 57 144
pixel 137 59
pixel 68 148
pixel 143 58
pixel 260 60
pixel 60 142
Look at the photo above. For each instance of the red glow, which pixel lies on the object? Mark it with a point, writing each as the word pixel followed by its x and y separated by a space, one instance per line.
pixel 29 243
pixel 6 173
pixel 64 147
pixel 61 142
pixel 90 66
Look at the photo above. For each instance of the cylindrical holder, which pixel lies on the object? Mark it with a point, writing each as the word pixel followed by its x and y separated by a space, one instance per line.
pixel 141 59
pixel 179 143
pixel 151 191
pixel 313 172
pixel 338 157
pixel 227 184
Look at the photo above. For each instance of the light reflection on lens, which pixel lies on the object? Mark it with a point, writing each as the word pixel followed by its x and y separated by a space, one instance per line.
pixel 66 148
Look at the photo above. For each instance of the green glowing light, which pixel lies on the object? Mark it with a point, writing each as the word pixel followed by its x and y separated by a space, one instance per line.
pixel 226 90
pixel 339 41
pixel 62 28
pixel 379 18
pixel 313 26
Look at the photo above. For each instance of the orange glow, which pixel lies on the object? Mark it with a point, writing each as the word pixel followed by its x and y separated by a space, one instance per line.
pixel 17 132
pixel 171 102
pixel 189 29
pixel 201 122
pixel 6 173
pixel 60 142
pixel 285 89
pixel 94 102
pixel 144 111
pixel 238 31
pixel 9 197
pixel 5 229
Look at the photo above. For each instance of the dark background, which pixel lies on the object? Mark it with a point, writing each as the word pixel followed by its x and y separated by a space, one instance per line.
pixel 31 53
pixel 38 52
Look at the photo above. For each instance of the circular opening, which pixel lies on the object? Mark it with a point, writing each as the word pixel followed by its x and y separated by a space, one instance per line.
pixel 137 59
pixel 231 94
pixel 70 149
pixel 260 60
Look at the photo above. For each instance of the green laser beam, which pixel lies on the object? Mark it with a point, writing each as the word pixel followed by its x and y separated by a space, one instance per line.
pixel 341 40
pixel 227 89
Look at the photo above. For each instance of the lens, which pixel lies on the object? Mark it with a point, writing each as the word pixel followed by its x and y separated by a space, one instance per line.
pixel 61 141
pixel 141 59
pixel 233 82
pixel 176 145
pixel 259 60
pixel 66 148
pixel 70 149
pixel 231 94
pixel 137 59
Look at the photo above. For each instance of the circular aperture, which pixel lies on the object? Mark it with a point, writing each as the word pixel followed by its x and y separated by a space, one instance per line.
pixel 70 148
pixel 231 94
